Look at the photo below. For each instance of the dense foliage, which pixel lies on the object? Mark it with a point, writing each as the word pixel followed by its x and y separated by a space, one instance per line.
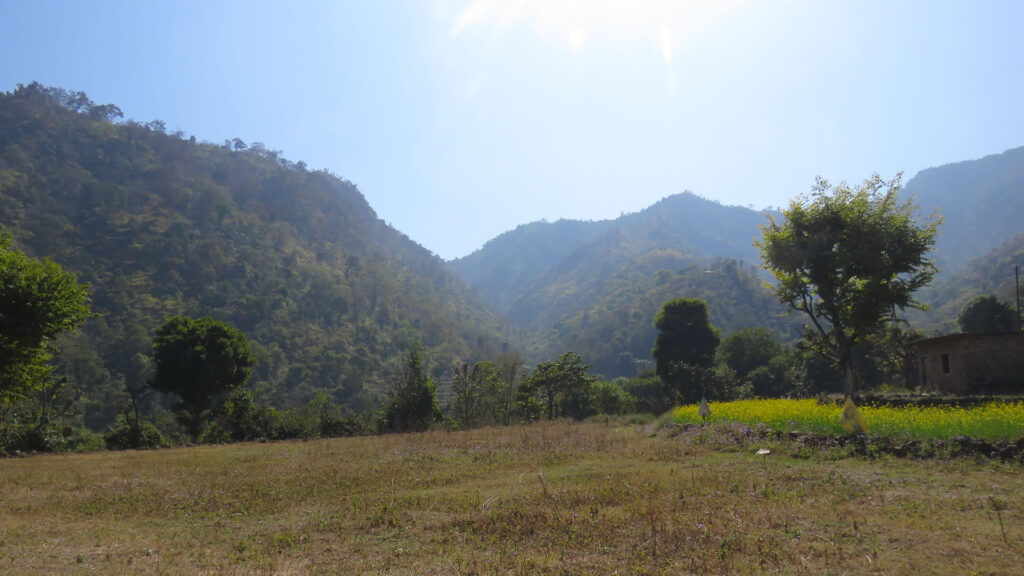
pixel 38 302
pixel 199 361
pixel 980 202
pixel 412 404
pixel 987 314
pixel 848 259
pixel 160 224
pixel 616 332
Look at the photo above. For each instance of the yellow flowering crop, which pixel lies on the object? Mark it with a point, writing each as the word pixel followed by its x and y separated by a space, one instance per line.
pixel 991 421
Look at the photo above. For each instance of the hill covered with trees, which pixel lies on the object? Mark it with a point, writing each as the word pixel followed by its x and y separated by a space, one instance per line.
pixel 595 287
pixel 991 274
pixel 159 224
pixel 564 285
pixel 981 203
pixel 332 298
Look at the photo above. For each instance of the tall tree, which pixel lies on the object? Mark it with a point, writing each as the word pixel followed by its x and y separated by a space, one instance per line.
pixel 685 346
pixel 748 349
pixel 412 405
pixel 199 360
pixel 38 301
pixel 510 365
pixel 849 259
pixel 563 384
pixel 987 314
pixel 479 392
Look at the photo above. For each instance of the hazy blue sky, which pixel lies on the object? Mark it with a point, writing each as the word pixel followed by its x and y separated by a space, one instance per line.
pixel 459 120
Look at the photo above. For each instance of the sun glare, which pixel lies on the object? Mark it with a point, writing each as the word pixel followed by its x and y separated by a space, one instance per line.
pixel 577 38
pixel 666 27
pixel 656 20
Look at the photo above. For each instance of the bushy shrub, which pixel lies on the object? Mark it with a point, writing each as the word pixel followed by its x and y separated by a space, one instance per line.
pixel 335 424
pixel 26 437
pixel 245 420
pixel 610 398
pixel 648 393
pixel 296 424
pixel 82 439
pixel 128 433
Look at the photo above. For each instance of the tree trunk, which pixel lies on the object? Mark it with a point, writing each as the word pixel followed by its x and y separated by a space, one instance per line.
pixel 849 382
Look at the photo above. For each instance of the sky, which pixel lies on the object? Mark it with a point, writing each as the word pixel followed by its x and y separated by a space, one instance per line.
pixel 461 119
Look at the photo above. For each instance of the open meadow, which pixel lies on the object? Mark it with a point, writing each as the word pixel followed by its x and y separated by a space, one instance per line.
pixel 550 498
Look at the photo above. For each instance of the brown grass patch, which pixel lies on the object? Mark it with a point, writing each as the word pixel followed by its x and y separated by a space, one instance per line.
pixel 553 498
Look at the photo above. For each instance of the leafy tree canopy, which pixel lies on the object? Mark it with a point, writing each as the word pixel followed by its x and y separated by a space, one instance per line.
pixel 38 301
pixel 749 349
pixel 412 405
pixel 685 347
pixel 479 393
pixel 685 335
pixel 199 360
pixel 848 258
pixel 987 314
pixel 564 385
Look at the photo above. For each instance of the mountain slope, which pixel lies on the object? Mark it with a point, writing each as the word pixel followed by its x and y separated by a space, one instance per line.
pixel 510 263
pixel 615 331
pixel 541 272
pixel 160 225
pixel 595 287
pixel 981 203
pixel 992 274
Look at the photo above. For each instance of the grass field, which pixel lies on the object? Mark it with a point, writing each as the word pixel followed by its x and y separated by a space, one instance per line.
pixel 992 421
pixel 552 498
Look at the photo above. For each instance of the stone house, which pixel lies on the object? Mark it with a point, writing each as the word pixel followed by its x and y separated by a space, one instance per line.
pixel 972 363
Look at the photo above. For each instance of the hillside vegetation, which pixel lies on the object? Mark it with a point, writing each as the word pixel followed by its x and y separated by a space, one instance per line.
pixel 981 203
pixel 159 224
pixel 990 274
pixel 332 298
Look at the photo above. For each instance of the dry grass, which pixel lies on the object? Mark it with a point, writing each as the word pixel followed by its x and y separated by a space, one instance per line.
pixel 554 498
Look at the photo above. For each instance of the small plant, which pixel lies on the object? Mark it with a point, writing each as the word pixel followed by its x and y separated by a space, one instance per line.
pixel 998 506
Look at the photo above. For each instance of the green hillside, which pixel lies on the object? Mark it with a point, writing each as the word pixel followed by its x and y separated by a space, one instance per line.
pixel 160 224
pixel 680 230
pixel 508 265
pixel 595 287
pixel 992 274
pixel 981 203
pixel 616 330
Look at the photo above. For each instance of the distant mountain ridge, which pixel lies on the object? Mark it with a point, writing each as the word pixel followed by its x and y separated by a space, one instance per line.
pixel 510 269
pixel 991 274
pixel 981 203
pixel 553 280
pixel 595 287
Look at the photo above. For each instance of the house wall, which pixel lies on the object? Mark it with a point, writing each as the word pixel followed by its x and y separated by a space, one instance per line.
pixel 976 362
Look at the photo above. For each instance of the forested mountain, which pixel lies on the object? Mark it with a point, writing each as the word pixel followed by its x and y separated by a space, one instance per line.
pixel 159 224
pixel 991 274
pixel 332 297
pixel 615 331
pixel 981 203
pixel 680 230
pixel 505 268
pixel 533 273
pixel 595 287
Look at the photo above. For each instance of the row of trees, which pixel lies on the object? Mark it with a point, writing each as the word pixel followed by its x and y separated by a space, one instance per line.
pixel 848 259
